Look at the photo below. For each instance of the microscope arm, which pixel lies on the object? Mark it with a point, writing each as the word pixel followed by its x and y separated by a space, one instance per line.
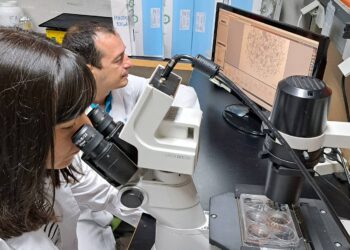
pixel 336 135
pixel 166 137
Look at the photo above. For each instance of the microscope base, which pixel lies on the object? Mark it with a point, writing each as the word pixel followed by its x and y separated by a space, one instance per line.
pixel 184 239
pixel 319 231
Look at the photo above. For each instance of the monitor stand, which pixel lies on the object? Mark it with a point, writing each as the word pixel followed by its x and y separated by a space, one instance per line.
pixel 242 118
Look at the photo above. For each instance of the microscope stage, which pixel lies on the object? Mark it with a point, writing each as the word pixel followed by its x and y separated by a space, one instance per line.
pixel 314 226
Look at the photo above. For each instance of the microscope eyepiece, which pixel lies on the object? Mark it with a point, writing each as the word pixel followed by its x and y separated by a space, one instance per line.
pixel 110 130
pixel 88 140
pixel 102 121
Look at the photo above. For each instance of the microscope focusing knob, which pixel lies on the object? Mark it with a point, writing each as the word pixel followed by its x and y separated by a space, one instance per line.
pixel 132 198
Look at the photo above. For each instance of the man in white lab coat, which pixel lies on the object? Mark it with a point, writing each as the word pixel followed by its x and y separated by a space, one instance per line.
pixel 117 92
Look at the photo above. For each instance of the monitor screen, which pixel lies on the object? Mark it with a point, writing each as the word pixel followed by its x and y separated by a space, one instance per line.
pixel 257 52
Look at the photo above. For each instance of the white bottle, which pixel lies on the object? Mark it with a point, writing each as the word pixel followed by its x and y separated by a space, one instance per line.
pixel 10 13
pixel 25 23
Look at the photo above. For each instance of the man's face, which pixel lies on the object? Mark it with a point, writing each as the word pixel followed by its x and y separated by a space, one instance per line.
pixel 114 64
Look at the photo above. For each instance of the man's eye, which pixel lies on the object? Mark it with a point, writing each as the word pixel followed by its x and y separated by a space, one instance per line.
pixel 117 60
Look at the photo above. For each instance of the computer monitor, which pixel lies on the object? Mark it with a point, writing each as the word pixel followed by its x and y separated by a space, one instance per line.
pixel 256 53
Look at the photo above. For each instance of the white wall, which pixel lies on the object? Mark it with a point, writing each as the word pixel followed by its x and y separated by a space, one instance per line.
pixel 43 10
pixel 290 12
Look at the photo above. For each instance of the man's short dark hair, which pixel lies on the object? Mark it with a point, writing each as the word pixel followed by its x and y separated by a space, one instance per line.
pixel 80 38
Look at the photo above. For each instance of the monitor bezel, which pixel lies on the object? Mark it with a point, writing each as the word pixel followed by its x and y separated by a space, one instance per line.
pixel 323 41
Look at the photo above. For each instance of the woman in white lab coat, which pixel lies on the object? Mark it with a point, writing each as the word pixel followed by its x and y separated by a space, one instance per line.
pixel 44 90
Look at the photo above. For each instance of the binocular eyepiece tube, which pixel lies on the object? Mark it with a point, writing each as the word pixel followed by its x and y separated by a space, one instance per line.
pixel 110 130
pixel 104 155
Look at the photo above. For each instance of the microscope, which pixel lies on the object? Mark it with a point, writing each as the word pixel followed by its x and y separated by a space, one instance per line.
pixel 158 178
pixel 151 160
pixel 274 216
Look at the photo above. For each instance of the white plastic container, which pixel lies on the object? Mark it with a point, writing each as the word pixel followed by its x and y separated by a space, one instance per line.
pixel 10 13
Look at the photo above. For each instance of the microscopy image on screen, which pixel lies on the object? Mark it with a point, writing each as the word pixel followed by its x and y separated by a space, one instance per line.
pixel 256 56
pixel 264 55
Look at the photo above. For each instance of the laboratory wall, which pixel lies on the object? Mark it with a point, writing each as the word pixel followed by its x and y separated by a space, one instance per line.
pixel 43 10
pixel 332 78
pixel 291 11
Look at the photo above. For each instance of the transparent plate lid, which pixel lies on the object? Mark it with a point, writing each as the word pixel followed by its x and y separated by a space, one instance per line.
pixel 266 224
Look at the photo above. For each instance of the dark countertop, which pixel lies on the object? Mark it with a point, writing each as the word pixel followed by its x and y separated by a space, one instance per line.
pixel 228 157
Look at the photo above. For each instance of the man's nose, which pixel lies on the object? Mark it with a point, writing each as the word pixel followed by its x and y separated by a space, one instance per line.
pixel 127 62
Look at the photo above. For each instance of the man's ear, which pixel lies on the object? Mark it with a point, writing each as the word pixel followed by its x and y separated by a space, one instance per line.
pixel 90 67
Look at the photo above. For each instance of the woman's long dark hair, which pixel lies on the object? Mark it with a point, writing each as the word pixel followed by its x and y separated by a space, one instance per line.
pixel 41 85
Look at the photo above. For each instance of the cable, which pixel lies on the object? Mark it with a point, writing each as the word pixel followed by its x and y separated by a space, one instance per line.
pixel 329 156
pixel 345 98
pixel 171 64
pixel 333 186
pixel 299 20
pixel 341 161
pixel 345 166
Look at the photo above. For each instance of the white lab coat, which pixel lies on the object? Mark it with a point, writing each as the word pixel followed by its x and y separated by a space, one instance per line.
pixel 124 99
pixel 123 102
pixel 91 192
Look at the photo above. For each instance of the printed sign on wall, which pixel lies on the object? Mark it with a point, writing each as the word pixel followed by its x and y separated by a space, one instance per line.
pixel 164 28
